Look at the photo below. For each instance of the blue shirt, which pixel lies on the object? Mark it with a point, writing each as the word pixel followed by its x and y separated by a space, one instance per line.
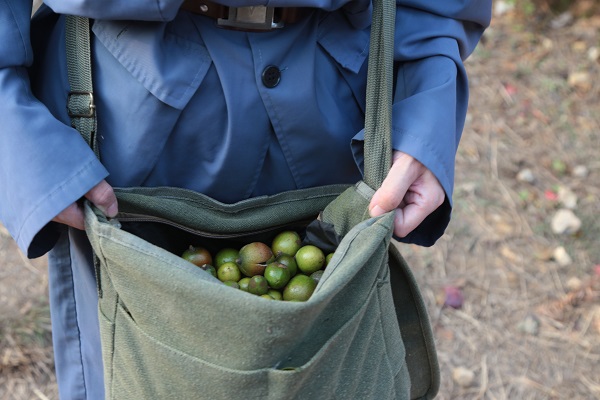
pixel 181 103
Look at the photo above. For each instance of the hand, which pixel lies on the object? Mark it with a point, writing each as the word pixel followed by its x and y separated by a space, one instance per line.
pixel 101 195
pixel 409 188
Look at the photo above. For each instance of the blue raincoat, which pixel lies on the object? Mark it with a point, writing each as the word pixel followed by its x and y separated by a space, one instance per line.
pixel 184 103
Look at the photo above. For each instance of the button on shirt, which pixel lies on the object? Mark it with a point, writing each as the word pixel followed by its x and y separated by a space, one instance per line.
pixel 271 76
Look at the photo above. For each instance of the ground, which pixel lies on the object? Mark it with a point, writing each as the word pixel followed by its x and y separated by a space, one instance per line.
pixel 513 293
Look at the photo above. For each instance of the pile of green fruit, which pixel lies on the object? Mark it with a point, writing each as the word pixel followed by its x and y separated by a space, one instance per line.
pixel 285 270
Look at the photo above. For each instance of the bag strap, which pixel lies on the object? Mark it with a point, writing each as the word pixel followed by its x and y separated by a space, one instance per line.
pixel 80 102
pixel 378 113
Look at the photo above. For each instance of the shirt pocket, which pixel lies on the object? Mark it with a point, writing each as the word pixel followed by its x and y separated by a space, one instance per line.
pixel 163 57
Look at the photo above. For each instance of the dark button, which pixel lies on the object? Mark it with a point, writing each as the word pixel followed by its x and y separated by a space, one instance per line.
pixel 271 76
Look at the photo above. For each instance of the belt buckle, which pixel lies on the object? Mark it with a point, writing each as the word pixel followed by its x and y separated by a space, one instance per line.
pixel 256 18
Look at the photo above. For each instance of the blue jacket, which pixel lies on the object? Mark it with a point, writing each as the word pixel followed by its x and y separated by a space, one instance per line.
pixel 181 102
pixel 164 63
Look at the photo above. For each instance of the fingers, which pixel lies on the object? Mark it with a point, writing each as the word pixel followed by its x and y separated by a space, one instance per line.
pixel 71 216
pixel 411 190
pixel 405 169
pixel 419 204
pixel 103 196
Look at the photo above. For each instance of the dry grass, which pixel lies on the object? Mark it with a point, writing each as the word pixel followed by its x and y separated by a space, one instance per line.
pixel 529 327
pixel 26 364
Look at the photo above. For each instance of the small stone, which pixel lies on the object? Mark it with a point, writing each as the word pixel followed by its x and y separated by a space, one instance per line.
pixel 453 297
pixel 565 222
pixel 562 20
pixel 567 197
pixel 579 46
pixel 561 257
pixel 502 7
pixel 530 325
pixel 580 79
pixel 593 53
pixel 464 377
pixel 596 314
pixel 574 284
pixel 526 175
pixel 580 171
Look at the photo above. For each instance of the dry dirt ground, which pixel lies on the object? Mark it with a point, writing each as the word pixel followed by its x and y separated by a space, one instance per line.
pixel 528 325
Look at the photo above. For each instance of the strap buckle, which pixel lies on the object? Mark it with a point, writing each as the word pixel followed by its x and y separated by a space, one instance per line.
pixel 257 18
pixel 78 107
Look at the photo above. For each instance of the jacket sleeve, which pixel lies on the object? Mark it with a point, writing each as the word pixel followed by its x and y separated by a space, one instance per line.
pixel 432 40
pixel 45 165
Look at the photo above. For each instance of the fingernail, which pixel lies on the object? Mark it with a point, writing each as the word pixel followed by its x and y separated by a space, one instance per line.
pixel 112 210
pixel 376 211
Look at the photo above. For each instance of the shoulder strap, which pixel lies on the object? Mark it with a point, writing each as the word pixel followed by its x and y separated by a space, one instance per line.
pixel 80 102
pixel 378 113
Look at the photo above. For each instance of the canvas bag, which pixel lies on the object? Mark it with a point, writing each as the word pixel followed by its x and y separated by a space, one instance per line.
pixel 171 331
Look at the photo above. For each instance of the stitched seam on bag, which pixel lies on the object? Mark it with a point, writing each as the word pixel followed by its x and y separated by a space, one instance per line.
pixel 114 318
pixel 192 201
pixel 432 361
pixel 430 357
pixel 387 350
pixel 339 188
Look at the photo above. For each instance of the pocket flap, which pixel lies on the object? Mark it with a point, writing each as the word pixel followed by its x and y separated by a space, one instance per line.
pixel 166 64
pixel 347 45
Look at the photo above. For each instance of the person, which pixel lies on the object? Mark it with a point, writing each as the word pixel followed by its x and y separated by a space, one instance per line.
pixel 191 99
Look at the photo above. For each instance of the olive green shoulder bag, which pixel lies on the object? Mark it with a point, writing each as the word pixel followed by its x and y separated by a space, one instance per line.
pixel 172 331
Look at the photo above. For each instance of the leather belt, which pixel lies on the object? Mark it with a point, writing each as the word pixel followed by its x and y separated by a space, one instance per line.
pixel 251 18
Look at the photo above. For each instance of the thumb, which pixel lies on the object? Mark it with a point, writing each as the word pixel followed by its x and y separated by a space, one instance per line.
pixel 103 196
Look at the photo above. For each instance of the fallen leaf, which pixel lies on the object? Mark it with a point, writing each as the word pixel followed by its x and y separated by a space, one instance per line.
pixel 559 166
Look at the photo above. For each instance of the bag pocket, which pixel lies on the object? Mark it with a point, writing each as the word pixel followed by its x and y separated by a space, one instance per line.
pixel 340 369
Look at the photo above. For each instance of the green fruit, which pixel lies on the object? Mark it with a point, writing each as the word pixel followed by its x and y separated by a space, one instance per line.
pixel 300 288
pixel 210 269
pixel 277 275
pixel 258 285
pixel 244 283
pixel 286 242
pixel 266 296
pixel 310 259
pixel 254 257
pixel 229 271
pixel 197 256
pixel 232 284
pixel 290 261
pixel 224 255
pixel 328 259
pixel 317 275
pixel 275 294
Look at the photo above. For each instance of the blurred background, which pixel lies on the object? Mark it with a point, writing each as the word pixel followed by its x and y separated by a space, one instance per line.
pixel 513 287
